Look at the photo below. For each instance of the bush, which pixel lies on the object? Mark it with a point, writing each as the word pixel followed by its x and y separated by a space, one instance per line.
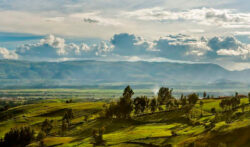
pixel 19 137
pixel 213 111
pixel 98 136
pixel 41 135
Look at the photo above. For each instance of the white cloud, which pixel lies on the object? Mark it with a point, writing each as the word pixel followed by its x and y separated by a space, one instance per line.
pixel 7 54
pixel 55 47
pixel 131 47
pixel 205 16
pixel 229 46
pixel 242 33
pixel 102 48
pixel 50 46
pixel 182 47
pixel 243 52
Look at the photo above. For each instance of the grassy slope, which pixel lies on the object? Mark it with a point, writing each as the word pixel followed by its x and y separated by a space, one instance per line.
pixel 149 129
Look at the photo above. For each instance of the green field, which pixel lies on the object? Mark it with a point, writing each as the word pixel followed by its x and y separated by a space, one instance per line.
pixel 149 129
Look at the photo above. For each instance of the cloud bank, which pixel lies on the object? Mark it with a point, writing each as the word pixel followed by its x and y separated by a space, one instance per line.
pixel 133 48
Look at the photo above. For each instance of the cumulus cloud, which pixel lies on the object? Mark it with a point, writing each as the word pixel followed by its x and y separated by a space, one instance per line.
pixel 229 46
pixel 133 48
pixel 55 47
pixel 48 47
pixel 182 46
pixel 130 44
pixel 7 54
pixel 102 48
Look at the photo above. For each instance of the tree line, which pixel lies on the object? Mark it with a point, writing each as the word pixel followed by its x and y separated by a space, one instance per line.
pixel 123 108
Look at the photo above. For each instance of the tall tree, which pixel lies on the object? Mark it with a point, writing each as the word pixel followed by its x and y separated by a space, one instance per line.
pixel 126 104
pixel 204 94
pixel 68 116
pixel 201 105
pixel 164 95
pixel 153 105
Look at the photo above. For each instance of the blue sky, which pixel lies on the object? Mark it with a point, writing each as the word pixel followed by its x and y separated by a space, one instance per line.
pixel 163 30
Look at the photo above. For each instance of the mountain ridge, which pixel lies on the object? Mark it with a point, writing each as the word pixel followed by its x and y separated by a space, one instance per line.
pixel 87 72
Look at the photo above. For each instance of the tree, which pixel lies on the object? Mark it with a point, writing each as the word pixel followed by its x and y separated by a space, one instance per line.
pixel 204 94
pixel 201 105
pixel 128 92
pixel 169 105
pixel 137 105
pixel 153 105
pixel 125 104
pixel 176 103
pixel 86 117
pixel 248 97
pixel 64 127
pixel 182 96
pixel 213 110
pixel 242 107
pixel 193 98
pixel 164 95
pixel 183 101
pixel 47 126
pixel 98 136
pixel 208 97
pixel 112 110
pixel 187 109
pixel 235 101
pixel 140 104
pixel 68 116
pixel 236 94
pixel 123 108
pixel 19 137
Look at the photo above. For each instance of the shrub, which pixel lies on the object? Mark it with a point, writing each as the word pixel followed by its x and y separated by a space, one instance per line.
pixel 41 135
pixel 19 137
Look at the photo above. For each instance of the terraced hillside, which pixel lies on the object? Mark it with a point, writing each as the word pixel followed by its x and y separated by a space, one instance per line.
pixel 161 128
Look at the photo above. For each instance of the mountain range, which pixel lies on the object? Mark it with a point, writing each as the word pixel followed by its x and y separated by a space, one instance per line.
pixel 16 73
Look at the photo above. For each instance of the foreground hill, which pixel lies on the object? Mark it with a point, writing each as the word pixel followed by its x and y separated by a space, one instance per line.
pixel 46 74
pixel 150 129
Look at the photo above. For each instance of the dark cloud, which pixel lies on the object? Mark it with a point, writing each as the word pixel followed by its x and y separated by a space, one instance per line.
pixel 230 42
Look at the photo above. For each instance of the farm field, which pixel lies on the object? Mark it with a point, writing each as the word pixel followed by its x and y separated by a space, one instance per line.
pixel 104 93
pixel 163 127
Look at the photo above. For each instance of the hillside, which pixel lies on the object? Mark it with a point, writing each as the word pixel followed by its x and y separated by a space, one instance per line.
pixel 150 129
pixel 78 73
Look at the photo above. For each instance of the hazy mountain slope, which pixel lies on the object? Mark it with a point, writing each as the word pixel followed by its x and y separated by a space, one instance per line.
pixel 96 72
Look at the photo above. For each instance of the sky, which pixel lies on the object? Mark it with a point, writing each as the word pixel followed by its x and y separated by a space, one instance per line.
pixel 188 31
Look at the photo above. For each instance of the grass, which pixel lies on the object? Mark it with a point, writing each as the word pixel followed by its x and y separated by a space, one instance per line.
pixel 149 129
pixel 34 114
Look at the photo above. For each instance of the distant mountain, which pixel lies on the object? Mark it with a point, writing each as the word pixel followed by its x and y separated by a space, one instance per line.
pixel 76 73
